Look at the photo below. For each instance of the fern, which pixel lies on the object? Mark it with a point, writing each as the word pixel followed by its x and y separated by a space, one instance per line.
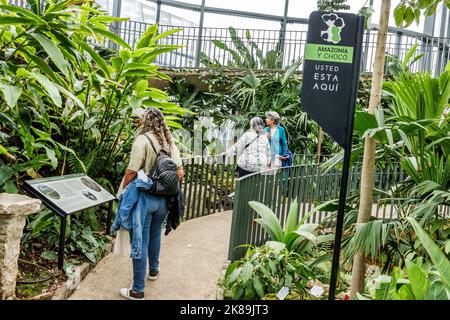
pixel 93 162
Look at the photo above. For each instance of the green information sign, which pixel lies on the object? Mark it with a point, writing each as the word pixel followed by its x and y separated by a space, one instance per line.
pixel 328 53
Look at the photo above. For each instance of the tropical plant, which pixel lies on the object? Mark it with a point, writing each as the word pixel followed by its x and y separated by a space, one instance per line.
pixel 332 5
pixel 63 107
pixel 245 54
pixel 266 270
pixel 429 280
pixel 417 282
pixel 297 235
pixel 83 235
pixel 396 67
pixel 67 104
pixel 405 13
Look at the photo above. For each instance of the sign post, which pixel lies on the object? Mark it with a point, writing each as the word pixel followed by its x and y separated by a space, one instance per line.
pixel 68 194
pixel 329 90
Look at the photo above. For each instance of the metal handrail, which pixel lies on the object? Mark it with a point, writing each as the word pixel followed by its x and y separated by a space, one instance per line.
pixel 290 43
pixel 306 183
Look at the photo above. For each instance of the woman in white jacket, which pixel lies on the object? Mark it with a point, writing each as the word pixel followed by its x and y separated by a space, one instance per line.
pixel 252 149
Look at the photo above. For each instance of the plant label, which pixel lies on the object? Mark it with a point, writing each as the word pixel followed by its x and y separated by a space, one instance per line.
pixel 317 291
pixel 283 293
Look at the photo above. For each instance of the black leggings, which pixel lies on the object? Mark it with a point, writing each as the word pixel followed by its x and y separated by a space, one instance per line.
pixel 243 173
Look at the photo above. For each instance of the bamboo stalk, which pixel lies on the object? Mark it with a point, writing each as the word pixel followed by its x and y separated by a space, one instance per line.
pixel 366 189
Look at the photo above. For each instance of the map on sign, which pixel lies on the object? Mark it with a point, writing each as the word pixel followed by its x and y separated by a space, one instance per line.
pixel 71 193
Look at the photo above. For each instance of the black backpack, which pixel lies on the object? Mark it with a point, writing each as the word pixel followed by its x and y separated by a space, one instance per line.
pixel 163 174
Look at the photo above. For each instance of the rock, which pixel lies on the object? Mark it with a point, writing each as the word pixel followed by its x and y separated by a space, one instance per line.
pixel 13 210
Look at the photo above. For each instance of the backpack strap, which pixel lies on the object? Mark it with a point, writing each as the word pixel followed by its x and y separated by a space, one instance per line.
pixel 152 170
pixel 254 139
pixel 151 143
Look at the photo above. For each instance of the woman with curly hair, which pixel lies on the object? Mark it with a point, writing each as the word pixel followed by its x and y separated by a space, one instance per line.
pixel 143 157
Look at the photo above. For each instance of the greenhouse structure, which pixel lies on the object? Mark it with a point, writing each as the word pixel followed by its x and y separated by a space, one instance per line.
pixel 224 150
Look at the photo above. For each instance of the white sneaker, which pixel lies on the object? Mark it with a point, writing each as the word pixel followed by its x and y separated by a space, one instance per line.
pixel 129 294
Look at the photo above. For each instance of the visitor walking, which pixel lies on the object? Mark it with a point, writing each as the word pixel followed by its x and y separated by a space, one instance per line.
pixel 280 154
pixel 149 211
pixel 252 149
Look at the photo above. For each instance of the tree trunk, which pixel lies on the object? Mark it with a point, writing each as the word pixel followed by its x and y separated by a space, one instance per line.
pixel 366 191
pixel 319 145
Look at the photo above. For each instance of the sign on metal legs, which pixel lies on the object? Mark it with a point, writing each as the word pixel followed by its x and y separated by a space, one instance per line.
pixel 69 194
pixel 330 85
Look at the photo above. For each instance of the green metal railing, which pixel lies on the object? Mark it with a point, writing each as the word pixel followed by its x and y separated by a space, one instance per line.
pixel 208 182
pixel 306 183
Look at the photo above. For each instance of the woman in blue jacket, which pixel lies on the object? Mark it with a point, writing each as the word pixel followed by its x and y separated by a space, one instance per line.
pixel 277 139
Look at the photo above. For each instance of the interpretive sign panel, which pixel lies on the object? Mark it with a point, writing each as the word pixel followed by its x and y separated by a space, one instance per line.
pixel 71 193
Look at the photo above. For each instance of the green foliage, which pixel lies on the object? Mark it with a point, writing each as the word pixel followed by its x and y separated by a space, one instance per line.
pixel 332 5
pixel 245 54
pixel 264 271
pixel 408 11
pixel 440 261
pixel 68 105
pixel 396 67
pixel 64 107
pixel 82 235
pixel 418 281
pixel 297 235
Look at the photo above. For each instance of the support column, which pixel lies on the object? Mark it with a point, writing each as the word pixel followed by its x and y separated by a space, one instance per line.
pixel 115 26
pixel 158 12
pixel 365 67
pixel 13 210
pixel 442 43
pixel 282 38
pixel 427 42
pixel 200 35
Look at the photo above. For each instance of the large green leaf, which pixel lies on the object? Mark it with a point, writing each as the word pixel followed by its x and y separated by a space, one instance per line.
pixel 418 279
pixel 11 94
pixel 292 219
pixel 101 63
pixel 111 36
pixel 269 218
pixel 26 13
pixel 8 20
pixel 259 287
pixel 164 34
pixel 144 41
pixel 49 87
pixel 42 64
pixel 437 291
pixel 440 261
pixel 54 53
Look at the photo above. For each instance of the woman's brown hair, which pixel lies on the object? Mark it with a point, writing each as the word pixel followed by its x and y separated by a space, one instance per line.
pixel 153 121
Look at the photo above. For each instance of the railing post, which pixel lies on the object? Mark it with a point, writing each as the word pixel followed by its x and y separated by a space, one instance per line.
pixel 235 234
pixel 200 35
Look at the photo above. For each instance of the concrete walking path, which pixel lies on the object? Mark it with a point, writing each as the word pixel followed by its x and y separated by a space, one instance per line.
pixel 191 261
